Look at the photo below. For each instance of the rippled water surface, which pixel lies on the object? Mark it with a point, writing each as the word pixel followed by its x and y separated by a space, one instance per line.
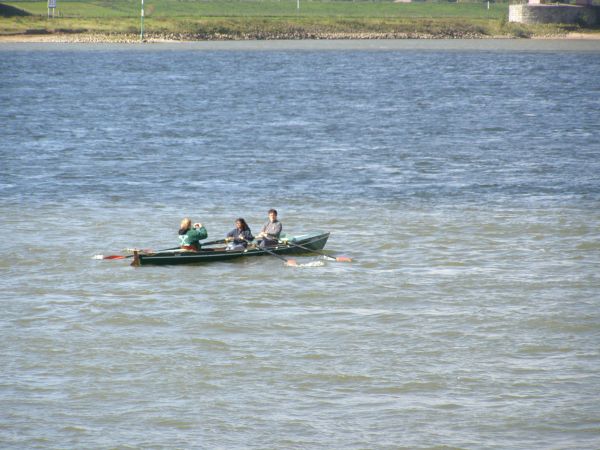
pixel 464 183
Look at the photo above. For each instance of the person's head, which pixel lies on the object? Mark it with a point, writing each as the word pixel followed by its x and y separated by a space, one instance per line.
pixel 241 224
pixel 272 215
pixel 186 224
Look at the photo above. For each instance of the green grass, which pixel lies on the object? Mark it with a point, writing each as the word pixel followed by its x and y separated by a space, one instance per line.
pixel 269 19
pixel 267 8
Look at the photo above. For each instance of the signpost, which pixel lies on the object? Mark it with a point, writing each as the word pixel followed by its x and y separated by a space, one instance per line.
pixel 51 6
pixel 142 26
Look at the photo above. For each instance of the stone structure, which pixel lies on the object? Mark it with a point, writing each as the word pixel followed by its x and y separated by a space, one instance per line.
pixel 534 12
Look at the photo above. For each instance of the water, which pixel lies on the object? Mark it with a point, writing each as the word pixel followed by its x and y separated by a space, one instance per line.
pixel 462 180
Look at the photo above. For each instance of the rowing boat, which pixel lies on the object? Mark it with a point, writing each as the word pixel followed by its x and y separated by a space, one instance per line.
pixel 314 240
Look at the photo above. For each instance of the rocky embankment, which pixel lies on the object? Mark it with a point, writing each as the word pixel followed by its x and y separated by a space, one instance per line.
pixel 87 37
pixel 183 37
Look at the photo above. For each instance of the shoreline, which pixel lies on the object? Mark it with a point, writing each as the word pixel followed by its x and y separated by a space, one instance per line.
pixel 564 45
pixel 102 38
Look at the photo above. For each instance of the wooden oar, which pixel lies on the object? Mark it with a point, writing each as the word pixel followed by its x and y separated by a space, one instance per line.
pixel 131 256
pixel 220 241
pixel 335 258
pixel 288 262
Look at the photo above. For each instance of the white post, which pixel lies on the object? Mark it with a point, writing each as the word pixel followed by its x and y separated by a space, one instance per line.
pixel 142 26
pixel 298 5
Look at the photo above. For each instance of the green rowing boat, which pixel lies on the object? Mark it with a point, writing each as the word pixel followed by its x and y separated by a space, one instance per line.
pixel 315 240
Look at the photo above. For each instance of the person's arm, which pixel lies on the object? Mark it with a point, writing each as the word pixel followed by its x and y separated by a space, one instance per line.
pixel 263 230
pixel 238 236
pixel 247 235
pixel 199 233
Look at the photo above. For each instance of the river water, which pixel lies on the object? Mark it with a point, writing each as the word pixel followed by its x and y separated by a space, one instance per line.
pixel 462 178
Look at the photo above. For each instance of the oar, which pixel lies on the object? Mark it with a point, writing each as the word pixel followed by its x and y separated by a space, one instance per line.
pixel 219 241
pixel 131 256
pixel 335 258
pixel 288 262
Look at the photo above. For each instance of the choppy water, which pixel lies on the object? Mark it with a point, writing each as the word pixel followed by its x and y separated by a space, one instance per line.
pixel 464 183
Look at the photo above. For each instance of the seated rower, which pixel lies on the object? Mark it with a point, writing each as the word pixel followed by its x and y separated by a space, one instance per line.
pixel 239 237
pixel 269 234
pixel 189 237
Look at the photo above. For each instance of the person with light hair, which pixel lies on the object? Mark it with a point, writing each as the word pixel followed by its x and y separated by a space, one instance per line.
pixel 190 236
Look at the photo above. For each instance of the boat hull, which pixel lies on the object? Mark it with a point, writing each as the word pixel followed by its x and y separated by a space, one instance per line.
pixel 312 241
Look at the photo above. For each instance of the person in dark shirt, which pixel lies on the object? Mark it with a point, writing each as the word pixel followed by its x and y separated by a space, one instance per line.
pixel 239 237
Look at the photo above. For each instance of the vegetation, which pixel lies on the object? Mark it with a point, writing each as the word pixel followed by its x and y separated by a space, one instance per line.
pixel 267 19
pixel 11 11
pixel 266 8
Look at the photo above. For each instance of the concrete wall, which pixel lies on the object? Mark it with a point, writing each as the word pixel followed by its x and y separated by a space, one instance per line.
pixel 585 15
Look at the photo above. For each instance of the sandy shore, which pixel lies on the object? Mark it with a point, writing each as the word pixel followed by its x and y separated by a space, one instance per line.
pixel 134 39
pixel 575 42
pixel 591 36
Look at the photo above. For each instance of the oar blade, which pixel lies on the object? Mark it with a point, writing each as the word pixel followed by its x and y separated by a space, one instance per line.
pixel 343 259
pixel 325 255
pixel 114 257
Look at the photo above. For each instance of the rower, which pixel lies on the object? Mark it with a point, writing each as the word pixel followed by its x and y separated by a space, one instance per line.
pixel 269 234
pixel 239 237
pixel 189 237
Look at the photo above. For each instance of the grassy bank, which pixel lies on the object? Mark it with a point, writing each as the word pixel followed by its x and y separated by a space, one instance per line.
pixel 266 8
pixel 227 19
